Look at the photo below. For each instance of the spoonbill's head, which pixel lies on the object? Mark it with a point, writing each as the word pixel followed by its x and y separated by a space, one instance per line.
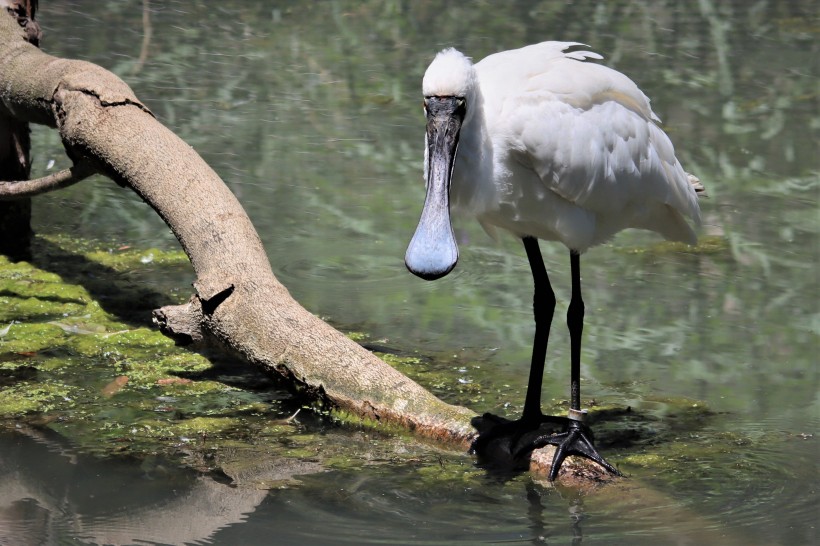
pixel 449 87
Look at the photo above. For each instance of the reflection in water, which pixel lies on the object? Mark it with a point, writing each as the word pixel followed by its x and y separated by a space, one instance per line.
pixel 536 516
pixel 48 493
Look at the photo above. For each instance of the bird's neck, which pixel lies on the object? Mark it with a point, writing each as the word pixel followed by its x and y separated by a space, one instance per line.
pixel 473 172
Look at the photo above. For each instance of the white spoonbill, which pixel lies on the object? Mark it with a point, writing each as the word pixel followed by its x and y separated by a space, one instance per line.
pixel 546 145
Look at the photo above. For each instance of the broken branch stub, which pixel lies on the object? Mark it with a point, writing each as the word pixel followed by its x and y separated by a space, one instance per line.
pixel 24 189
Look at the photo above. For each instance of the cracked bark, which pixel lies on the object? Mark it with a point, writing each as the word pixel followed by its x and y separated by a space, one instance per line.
pixel 239 306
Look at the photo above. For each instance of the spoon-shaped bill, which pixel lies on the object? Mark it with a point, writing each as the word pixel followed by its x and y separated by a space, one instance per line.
pixel 432 252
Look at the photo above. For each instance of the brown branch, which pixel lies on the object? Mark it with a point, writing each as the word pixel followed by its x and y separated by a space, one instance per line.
pixel 21 189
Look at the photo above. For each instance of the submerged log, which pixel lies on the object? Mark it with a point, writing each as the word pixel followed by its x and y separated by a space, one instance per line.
pixel 238 306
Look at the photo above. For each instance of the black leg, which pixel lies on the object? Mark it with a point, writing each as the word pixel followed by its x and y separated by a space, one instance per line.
pixel 577 439
pixel 503 443
pixel 543 308
pixel 575 322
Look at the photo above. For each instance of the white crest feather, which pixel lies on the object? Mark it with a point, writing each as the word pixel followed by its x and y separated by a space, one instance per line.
pixel 450 74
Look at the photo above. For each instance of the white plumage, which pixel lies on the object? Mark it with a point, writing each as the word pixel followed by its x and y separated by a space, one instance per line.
pixel 547 145
pixel 560 149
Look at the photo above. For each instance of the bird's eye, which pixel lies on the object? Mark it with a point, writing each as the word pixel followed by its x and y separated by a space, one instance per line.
pixel 461 103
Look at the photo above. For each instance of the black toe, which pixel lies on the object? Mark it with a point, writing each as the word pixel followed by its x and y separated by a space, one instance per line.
pixel 577 439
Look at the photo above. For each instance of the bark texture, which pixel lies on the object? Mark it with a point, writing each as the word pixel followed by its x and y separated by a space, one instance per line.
pixel 238 304
pixel 15 161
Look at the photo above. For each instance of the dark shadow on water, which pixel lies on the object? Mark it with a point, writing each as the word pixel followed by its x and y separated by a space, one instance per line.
pixel 117 292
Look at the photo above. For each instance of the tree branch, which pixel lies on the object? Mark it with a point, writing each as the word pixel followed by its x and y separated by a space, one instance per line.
pixel 13 190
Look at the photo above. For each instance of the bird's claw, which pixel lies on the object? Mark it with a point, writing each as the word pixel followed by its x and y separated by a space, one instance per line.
pixel 577 439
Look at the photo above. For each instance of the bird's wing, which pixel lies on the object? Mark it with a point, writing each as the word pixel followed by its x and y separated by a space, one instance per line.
pixel 587 130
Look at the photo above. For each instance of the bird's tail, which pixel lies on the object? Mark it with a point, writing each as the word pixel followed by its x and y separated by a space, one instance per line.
pixel 672 225
pixel 700 189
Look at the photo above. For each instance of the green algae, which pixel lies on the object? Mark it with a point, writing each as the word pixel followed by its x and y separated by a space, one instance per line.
pixel 67 362
pixel 358 337
pixel 450 470
pixel 119 258
pixel 676 441
pixel 27 397
pixel 464 389
pixel 30 338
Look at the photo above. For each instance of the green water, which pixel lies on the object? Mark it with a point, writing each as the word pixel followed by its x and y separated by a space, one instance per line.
pixel 311 113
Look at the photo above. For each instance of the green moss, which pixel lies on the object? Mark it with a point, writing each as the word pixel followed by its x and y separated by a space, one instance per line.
pixel 29 397
pixel 117 257
pixel 123 260
pixel 452 384
pixel 349 419
pixel 31 338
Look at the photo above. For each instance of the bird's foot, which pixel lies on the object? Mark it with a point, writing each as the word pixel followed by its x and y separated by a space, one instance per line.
pixel 577 439
pixel 506 445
